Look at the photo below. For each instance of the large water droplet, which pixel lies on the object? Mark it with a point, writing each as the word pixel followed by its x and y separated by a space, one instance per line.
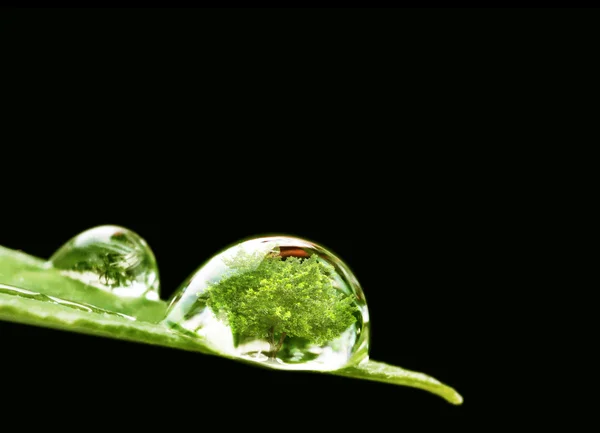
pixel 281 301
pixel 111 258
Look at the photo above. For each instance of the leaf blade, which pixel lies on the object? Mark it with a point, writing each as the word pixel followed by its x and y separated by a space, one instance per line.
pixel 18 268
pixel 381 372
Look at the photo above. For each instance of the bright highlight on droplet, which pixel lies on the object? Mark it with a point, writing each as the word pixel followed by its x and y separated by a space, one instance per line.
pixel 110 258
pixel 281 301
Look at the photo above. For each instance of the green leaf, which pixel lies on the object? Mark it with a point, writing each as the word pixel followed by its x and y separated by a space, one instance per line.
pixel 41 303
pixel 380 372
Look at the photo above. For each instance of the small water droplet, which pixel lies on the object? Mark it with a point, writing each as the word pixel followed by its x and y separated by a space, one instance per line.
pixel 284 302
pixel 111 258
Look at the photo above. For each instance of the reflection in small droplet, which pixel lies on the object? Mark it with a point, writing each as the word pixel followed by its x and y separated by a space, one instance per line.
pixel 281 301
pixel 111 258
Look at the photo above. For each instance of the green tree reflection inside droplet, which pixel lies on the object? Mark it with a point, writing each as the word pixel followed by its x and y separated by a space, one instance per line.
pixel 275 298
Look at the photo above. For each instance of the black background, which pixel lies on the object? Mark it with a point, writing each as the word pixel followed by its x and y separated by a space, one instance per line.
pixel 198 129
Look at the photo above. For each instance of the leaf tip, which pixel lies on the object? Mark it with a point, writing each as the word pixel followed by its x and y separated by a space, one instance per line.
pixel 455 398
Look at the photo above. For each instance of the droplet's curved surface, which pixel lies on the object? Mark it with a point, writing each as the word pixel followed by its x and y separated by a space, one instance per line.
pixel 111 258
pixel 284 302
